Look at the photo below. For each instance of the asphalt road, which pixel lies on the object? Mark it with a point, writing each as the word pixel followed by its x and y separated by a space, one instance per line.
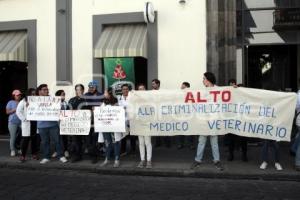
pixel 34 184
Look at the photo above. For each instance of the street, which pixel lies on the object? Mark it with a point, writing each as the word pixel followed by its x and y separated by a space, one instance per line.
pixel 60 184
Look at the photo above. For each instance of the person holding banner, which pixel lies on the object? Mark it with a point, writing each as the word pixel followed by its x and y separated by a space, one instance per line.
pixel 77 103
pixel 123 101
pixel 234 140
pixel 209 80
pixel 29 128
pixel 158 140
pixel 111 140
pixel 145 143
pixel 64 138
pixel 93 98
pixel 47 130
pixel 14 123
pixel 180 138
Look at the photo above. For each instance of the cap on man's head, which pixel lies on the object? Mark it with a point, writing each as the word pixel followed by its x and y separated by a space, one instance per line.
pixel 16 92
pixel 93 84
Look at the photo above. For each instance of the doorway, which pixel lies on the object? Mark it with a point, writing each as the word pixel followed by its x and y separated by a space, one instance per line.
pixel 272 67
pixel 13 75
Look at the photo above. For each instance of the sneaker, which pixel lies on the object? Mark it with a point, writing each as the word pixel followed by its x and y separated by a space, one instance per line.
pixel 105 163
pixel 263 165
pixel 116 164
pixel 22 159
pixel 149 165
pixel 278 167
pixel 54 155
pixel 219 166
pixel 19 152
pixel 195 164
pixel 44 161
pixel 142 164
pixel 67 154
pixel 63 159
pixel 12 153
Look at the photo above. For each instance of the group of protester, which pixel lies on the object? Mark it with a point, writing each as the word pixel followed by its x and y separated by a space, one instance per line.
pixel 41 133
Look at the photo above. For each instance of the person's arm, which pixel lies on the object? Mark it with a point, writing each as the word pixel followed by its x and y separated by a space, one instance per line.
pixel 9 109
pixel 21 110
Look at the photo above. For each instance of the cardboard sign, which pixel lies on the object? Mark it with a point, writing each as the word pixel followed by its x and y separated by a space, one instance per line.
pixel 212 111
pixel 75 122
pixel 109 119
pixel 43 108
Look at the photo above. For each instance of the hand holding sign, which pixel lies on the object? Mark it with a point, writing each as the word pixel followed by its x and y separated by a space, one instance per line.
pixel 109 119
pixel 43 108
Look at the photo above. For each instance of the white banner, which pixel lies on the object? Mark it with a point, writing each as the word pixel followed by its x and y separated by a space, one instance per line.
pixel 75 122
pixel 212 111
pixel 109 119
pixel 43 108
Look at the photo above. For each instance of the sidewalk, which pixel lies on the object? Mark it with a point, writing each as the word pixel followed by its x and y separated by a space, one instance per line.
pixel 174 163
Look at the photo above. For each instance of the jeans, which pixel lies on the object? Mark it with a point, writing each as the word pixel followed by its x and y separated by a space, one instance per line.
pixel 13 132
pixel 46 134
pixel 214 147
pixel 296 142
pixel 111 146
pixel 145 143
pixel 265 150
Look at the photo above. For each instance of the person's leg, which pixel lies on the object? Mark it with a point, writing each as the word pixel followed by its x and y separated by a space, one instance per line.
pixel 12 128
pixel 132 143
pixel 18 138
pixel 117 148
pixel 265 151
pixel 54 133
pixel 64 139
pixel 157 141
pixel 108 145
pixel 148 147
pixel 296 142
pixel 215 148
pixel 142 147
pixel 200 148
pixel 45 142
pixel 275 148
pixel 243 142
pixel 231 145
pixel 167 141
pixel 34 138
pixel 24 145
pixel 124 145
pixel 180 141
pixel 297 158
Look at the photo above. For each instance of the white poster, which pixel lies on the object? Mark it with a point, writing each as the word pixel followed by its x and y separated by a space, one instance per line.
pixel 43 108
pixel 212 111
pixel 75 122
pixel 109 119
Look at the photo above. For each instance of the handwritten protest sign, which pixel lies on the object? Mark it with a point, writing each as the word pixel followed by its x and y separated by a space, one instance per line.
pixel 109 119
pixel 212 111
pixel 75 122
pixel 43 108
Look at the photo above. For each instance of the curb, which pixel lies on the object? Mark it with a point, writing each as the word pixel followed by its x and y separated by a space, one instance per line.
pixel 157 172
